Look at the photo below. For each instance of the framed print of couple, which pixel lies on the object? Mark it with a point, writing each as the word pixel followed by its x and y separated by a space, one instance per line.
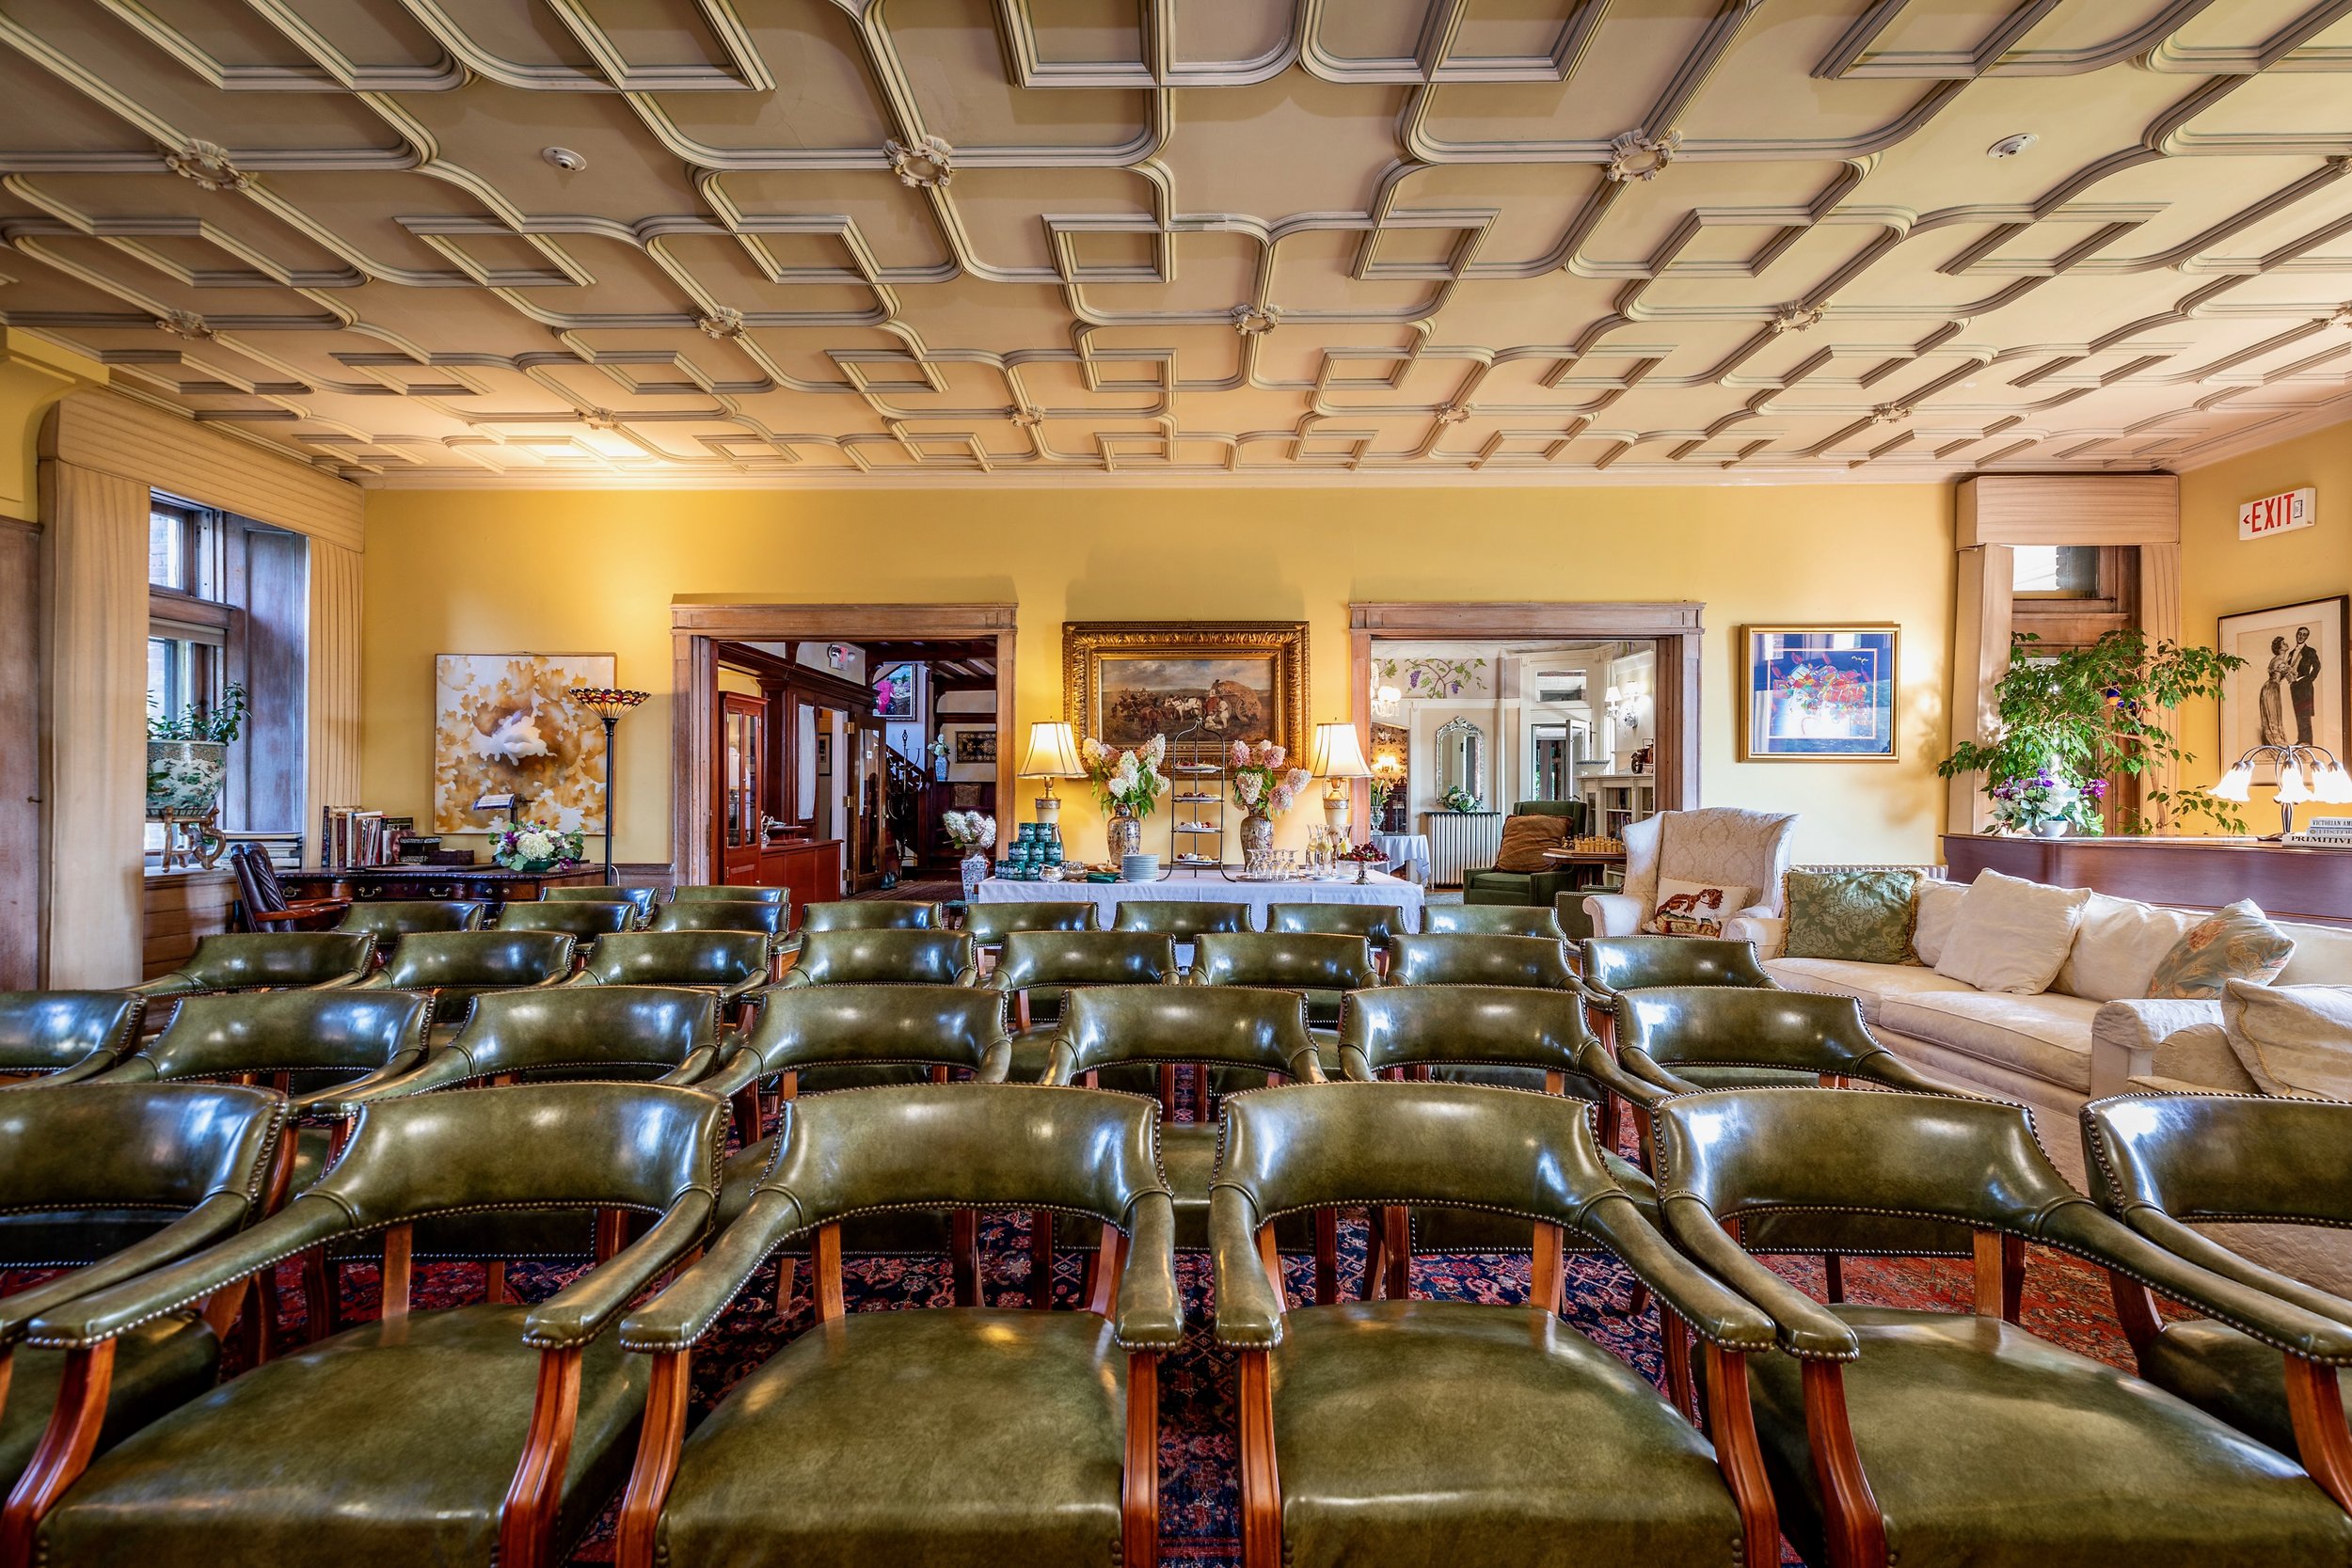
pixel 2291 691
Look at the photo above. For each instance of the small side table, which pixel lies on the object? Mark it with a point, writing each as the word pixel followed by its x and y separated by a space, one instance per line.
pixel 1408 853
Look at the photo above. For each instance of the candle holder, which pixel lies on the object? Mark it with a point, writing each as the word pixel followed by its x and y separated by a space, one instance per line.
pixel 608 704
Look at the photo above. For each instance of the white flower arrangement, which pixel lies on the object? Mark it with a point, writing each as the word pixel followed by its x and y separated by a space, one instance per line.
pixel 971 830
pixel 1129 779
pixel 1261 783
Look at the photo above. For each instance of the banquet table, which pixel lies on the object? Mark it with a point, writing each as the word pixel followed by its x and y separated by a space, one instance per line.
pixel 1378 888
pixel 1407 852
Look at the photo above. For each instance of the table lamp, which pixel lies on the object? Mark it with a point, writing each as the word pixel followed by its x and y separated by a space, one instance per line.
pixel 2330 784
pixel 609 705
pixel 1052 755
pixel 1338 757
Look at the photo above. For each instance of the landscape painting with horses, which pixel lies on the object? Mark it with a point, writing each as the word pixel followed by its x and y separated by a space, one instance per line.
pixel 1227 699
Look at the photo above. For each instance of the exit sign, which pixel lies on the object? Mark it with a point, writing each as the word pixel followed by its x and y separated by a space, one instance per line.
pixel 2278 514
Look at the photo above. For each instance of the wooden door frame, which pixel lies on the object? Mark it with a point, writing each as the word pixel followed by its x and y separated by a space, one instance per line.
pixel 1675 626
pixel 695 631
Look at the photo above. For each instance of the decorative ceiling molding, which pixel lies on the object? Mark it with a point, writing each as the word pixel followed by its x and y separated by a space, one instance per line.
pixel 959 242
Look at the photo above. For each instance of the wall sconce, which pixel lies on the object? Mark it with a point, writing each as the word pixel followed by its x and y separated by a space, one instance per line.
pixel 1619 708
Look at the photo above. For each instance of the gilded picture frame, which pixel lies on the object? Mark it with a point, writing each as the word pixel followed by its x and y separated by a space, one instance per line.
pixel 1821 693
pixel 1123 681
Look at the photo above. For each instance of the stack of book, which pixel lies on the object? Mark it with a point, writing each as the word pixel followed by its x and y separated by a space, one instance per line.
pixel 350 838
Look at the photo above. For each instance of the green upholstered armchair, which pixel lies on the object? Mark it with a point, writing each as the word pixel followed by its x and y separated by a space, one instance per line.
pixel 867 958
pixel 64 1037
pixel 1323 965
pixel 873 914
pixel 1039 968
pixel 853 1444
pixel 1612 964
pixel 585 921
pixel 455 968
pixel 988 925
pixel 390 921
pixel 731 965
pixel 482 1433
pixel 191 1161
pixel 1183 918
pixel 663 1034
pixel 1491 920
pixel 1417 1431
pixel 1934 1437
pixel 2161 1163
pixel 729 893
pixel 770 918
pixel 1535 889
pixel 1467 958
pixel 604 893
pixel 346 1042
pixel 1376 923
pixel 267 960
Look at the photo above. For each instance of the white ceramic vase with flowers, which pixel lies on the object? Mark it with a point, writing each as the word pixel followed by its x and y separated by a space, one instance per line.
pixel 1127 784
pixel 1264 789
pixel 973 833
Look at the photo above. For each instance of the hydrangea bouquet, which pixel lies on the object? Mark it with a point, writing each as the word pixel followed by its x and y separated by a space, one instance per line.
pixel 1261 785
pixel 534 845
pixel 1126 781
pixel 970 830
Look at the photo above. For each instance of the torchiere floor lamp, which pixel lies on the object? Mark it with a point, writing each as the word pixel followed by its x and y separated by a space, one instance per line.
pixel 607 706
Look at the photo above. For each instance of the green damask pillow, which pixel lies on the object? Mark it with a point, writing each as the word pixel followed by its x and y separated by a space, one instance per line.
pixel 1862 916
pixel 2233 943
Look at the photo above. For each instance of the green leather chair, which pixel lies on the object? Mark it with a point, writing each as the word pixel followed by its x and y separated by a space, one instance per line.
pixel 1376 923
pixel 1489 920
pixel 585 921
pixel 64 1037
pixel 481 1433
pixel 646 898
pixel 266 960
pixel 1040 968
pixel 1322 966
pixel 988 925
pixel 456 967
pixel 854 1443
pixel 724 914
pixel 729 893
pixel 1183 918
pixel 873 914
pixel 191 1162
pixel 1535 889
pixel 884 957
pixel 2162 1162
pixel 731 965
pixel 1465 959
pixel 1413 1432
pixel 662 1034
pixel 1939 1438
pixel 395 918
pixel 1611 964
pixel 345 1042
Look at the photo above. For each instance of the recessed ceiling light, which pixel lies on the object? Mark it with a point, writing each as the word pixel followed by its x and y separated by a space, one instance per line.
pixel 572 163
pixel 2008 147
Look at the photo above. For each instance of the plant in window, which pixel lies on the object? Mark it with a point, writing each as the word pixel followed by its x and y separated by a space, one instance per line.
pixel 187 755
pixel 217 723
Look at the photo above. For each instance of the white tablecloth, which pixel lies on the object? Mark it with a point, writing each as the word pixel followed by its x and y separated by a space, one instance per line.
pixel 1380 888
pixel 1408 854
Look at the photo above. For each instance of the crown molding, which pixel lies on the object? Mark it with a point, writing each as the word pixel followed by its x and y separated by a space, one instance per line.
pixel 2277 431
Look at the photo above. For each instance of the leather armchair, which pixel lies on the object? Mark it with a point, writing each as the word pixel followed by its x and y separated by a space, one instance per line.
pixel 482 1433
pixel 988 925
pixel 854 1443
pixel 2161 1162
pixel 1613 964
pixel 731 965
pixel 873 914
pixel 392 919
pixel 456 967
pixel 262 899
pixel 729 893
pixel 585 921
pixel 723 915
pixel 1183 918
pixel 1376 923
pixel 191 1161
pixel 1416 1431
pixel 1935 1437
pixel 1324 966
pixel 1486 887
pixel 1039 968
pixel 64 1037
pixel 666 1035
pixel 267 960
pixel 360 1039
pixel 1718 844
pixel 884 957
pixel 643 897
pixel 1491 920
pixel 1465 960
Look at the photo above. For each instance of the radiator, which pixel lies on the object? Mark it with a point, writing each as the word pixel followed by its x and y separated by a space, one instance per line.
pixel 1460 841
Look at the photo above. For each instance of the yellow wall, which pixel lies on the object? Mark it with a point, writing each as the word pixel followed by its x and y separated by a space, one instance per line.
pixel 478 571
pixel 33 376
pixel 2222 575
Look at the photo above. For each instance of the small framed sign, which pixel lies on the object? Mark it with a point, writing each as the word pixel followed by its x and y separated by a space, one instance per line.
pixel 2280 514
pixel 1818 693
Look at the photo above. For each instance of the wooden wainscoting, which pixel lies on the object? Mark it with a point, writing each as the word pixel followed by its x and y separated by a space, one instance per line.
pixel 182 908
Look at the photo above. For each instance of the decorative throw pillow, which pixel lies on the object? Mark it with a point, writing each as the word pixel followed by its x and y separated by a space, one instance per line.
pixel 2294 1041
pixel 1526 838
pixel 2231 944
pixel 2011 935
pixel 1931 921
pixel 1696 908
pixel 1861 916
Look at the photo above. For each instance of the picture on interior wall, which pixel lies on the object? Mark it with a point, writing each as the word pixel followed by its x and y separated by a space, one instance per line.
pixel 971 752
pixel 2291 690
pixel 894 694
pixel 1818 694
pixel 503 725
pixel 1123 683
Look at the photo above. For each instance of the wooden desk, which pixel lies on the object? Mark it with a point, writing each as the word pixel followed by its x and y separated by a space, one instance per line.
pixel 493 885
pixel 2192 873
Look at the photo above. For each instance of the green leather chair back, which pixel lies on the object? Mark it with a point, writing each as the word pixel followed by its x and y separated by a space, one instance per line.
pixel 391 921
pixel 1489 920
pixel 65 1036
pixel 577 1032
pixel 340 1032
pixel 269 960
pixel 730 894
pixel 1229 1025
pixel 1466 959
pixel 873 914
pixel 643 897
pixel 1183 918
pixel 459 966
pixel 1631 964
pixel 2198 1157
pixel 1572 810
pixel 138 1146
pixel 882 958
pixel 1512 1026
pixel 1038 958
pixel 721 914
pixel 583 920
pixel 1683 1038
pixel 813 1026
pixel 1376 923
pixel 714 959
pixel 988 925
pixel 1312 961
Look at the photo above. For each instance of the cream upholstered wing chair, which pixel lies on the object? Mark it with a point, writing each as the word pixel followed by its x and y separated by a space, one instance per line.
pixel 1719 845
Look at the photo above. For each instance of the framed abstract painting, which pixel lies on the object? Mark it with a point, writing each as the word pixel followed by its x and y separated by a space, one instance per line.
pixel 505 724
pixel 1818 693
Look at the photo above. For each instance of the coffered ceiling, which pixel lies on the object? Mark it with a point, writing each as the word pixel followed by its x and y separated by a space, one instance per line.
pixel 866 241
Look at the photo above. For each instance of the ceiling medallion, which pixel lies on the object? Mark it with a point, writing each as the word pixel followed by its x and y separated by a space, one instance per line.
pixel 1451 413
pixel 725 321
pixel 2008 147
pixel 601 419
pixel 1256 321
pixel 1890 413
pixel 1796 318
pixel 927 165
pixel 2342 318
pixel 1637 155
pixel 1027 419
pixel 207 164
pixel 188 324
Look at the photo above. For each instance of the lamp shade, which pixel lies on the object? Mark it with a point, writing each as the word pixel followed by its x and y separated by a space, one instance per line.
pixel 2333 785
pixel 2233 785
pixel 1053 752
pixel 2291 790
pixel 1337 754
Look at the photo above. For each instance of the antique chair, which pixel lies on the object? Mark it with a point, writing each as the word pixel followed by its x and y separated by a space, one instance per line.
pixel 455 967
pixel 64 1037
pixel 267 960
pixel 1183 918
pixel 481 1433
pixel 1322 966
pixel 854 1443
pixel 884 957
pixel 261 898
pixel 722 914
pixel 586 922
pixel 1466 959
pixel 2161 1163
pixel 395 918
pixel 1491 920
pixel 1721 846
pixel 191 1162
pixel 1489 886
pixel 731 965
pixel 1376 923
pixel 988 925
pixel 1413 1433
pixel 1613 964
pixel 1935 1437
pixel 729 893
pixel 1040 968
pixel 873 914
pixel 646 898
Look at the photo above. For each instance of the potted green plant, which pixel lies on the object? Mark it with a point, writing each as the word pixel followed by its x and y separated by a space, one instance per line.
pixel 2070 720
pixel 187 754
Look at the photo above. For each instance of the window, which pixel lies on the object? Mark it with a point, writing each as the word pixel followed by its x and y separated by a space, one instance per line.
pixel 183 548
pixel 2057 572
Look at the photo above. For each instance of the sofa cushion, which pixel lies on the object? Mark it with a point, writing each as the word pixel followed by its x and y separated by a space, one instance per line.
pixel 2011 935
pixel 1937 907
pixel 2293 1040
pixel 2045 1036
pixel 2118 946
pixel 1862 915
pixel 1694 909
pixel 1869 984
pixel 2236 942
pixel 1524 841
pixel 2322 956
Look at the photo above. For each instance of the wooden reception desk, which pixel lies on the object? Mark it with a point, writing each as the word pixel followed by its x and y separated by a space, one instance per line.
pixel 2191 872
